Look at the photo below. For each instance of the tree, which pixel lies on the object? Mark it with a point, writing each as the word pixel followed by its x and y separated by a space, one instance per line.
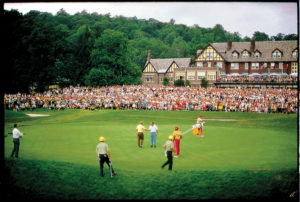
pixel 278 37
pixel 290 37
pixel 12 32
pixel 219 33
pixel 165 81
pixel 246 39
pixel 172 21
pixel 204 83
pixel 98 77
pixel 179 82
pixel 187 83
pixel 260 36
pixel 179 48
pixel 82 43
pixel 42 43
pixel 111 54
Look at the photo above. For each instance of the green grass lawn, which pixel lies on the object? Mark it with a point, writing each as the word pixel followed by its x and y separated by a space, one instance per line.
pixel 254 157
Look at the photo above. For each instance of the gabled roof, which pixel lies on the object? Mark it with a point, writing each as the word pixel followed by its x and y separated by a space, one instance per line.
pixel 162 65
pixel 199 52
pixel 264 47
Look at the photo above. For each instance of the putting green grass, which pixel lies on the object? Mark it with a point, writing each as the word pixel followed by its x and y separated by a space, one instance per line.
pixel 253 157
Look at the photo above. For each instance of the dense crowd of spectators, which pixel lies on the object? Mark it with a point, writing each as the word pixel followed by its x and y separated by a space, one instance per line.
pixel 261 100
pixel 258 79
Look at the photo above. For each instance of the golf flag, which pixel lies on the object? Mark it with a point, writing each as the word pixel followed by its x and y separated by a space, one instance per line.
pixel 195 129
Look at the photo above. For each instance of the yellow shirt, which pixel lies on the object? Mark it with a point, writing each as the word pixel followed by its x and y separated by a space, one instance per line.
pixel 199 120
pixel 177 135
pixel 140 128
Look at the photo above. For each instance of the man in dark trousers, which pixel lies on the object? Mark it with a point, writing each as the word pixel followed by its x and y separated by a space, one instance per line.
pixel 16 134
pixel 169 148
pixel 103 155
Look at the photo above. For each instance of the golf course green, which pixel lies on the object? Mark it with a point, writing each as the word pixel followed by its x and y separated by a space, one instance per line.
pixel 242 156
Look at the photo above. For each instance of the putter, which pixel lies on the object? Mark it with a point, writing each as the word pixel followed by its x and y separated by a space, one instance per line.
pixel 110 168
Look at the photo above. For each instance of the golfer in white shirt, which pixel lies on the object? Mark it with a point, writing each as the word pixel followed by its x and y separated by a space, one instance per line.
pixel 153 133
pixel 16 134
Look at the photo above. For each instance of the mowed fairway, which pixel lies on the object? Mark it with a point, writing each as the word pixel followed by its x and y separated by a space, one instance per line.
pixel 253 157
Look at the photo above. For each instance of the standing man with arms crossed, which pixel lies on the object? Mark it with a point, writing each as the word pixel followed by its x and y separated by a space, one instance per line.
pixel 140 133
pixel 153 133
pixel 103 154
pixel 16 134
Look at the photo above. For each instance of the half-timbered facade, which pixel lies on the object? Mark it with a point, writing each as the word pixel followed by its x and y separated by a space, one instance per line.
pixel 225 58
pixel 156 69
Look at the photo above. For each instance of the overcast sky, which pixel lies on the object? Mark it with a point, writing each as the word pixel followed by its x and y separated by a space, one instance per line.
pixel 242 17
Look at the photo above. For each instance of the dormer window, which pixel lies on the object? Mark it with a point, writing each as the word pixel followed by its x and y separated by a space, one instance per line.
pixel 257 54
pixel 245 54
pixel 235 55
pixel 276 54
pixel 295 54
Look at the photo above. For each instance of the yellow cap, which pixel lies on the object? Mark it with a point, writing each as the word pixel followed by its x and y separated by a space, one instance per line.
pixel 101 139
pixel 170 137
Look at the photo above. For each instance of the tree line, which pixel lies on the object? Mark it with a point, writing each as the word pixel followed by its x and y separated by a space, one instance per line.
pixel 43 49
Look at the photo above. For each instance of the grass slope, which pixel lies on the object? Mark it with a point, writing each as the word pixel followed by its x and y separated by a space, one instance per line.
pixel 253 157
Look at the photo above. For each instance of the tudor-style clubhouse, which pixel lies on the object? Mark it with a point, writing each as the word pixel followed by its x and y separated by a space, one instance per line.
pixel 231 58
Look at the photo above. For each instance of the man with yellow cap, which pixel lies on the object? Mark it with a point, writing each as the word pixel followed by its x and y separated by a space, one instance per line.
pixel 103 154
pixel 169 148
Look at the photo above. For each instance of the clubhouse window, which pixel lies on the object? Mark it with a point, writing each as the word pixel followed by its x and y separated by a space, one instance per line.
pixel 294 67
pixel 200 75
pixel 257 54
pixel 211 77
pixel 234 66
pixel 255 65
pixel 191 75
pixel 199 64
pixel 180 75
pixel 245 54
pixel 149 78
pixel 295 54
pixel 235 55
pixel 276 54
pixel 209 54
pixel 272 65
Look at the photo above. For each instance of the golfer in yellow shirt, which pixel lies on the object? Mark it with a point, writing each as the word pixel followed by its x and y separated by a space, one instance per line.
pixel 140 133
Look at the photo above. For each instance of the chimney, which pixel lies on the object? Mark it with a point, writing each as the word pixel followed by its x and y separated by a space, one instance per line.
pixel 252 45
pixel 229 44
pixel 149 56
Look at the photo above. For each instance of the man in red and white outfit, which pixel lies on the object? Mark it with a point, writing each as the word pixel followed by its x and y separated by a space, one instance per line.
pixel 200 124
pixel 177 136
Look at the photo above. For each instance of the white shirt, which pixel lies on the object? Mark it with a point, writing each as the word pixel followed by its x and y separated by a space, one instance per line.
pixel 16 133
pixel 153 128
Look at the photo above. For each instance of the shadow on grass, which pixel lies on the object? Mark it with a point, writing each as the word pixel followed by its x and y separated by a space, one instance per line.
pixel 29 179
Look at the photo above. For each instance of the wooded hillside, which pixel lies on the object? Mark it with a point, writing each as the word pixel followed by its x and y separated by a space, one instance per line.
pixel 96 50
